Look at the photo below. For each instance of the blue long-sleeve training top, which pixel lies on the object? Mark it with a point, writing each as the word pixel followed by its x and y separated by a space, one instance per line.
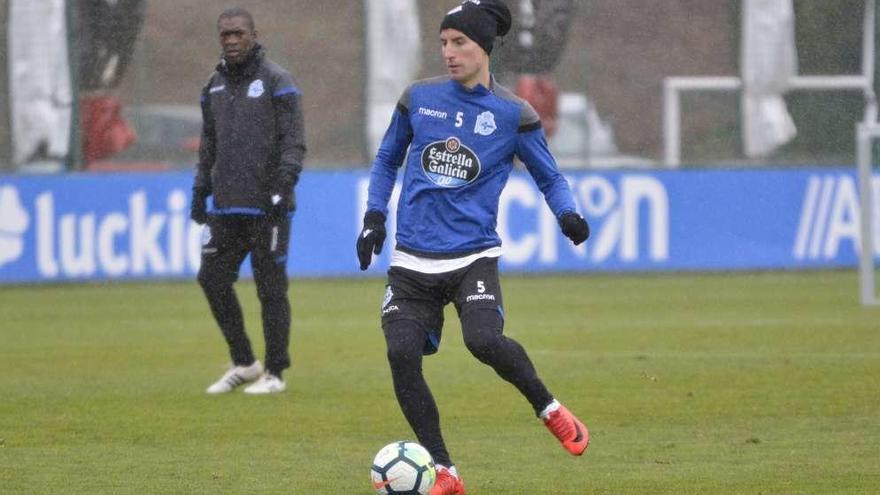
pixel 461 144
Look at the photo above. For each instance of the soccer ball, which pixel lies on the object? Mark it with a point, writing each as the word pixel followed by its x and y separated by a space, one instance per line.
pixel 403 468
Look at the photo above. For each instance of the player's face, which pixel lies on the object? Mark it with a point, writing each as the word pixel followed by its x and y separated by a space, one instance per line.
pixel 466 61
pixel 237 38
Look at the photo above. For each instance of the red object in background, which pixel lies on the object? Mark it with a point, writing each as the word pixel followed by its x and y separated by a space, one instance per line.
pixel 543 94
pixel 104 131
pixel 192 144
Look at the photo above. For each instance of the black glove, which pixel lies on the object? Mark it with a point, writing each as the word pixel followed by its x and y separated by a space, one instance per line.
pixel 279 207
pixel 198 209
pixel 371 238
pixel 574 227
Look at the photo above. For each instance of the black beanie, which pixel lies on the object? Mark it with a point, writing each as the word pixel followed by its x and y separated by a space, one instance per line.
pixel 479 20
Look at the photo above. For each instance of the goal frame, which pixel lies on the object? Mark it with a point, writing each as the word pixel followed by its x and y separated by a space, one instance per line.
pixel 869 216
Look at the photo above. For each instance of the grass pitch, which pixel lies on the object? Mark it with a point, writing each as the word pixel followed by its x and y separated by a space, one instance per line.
pixel 691 384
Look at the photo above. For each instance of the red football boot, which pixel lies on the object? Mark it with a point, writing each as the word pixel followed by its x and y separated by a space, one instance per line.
pixel 572 434
pixel 447 483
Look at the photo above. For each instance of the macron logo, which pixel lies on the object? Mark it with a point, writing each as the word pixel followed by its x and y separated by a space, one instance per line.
pixel 430 112
pixel 14 222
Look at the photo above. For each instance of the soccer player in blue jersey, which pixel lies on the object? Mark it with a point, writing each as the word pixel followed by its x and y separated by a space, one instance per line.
pixel 459 135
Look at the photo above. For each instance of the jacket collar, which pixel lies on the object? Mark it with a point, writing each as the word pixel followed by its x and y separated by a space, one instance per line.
pixel 478 90
pixel 246 69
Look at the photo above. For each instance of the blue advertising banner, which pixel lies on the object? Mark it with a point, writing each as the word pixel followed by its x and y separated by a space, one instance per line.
pixel 136 225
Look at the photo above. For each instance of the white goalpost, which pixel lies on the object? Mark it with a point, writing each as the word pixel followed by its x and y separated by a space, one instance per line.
pixel 675 86
pixel 867 132
pixel 869 204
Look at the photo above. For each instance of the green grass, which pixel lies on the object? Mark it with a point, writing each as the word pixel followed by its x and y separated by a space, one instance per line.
pixel 691 384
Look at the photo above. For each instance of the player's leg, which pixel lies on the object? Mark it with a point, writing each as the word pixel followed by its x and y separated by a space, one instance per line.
pixel 223 250
pixel 480 308
pixel 404 340
pixel 269 261
pixel 412 316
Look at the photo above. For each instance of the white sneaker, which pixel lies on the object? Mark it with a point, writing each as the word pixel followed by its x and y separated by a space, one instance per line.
pixel 267 384
pixel 236 376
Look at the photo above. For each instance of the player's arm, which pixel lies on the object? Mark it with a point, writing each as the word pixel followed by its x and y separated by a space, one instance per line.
pixel 207 153
pixel 532 150
pixel 388 160
pixel 290 141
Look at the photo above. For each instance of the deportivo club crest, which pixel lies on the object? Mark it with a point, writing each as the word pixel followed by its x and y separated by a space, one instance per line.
pixel 255 90
pixel 485 124
pixel 450 163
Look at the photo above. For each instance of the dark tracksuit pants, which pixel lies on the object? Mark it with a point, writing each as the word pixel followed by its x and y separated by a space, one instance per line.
pixel 227 240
